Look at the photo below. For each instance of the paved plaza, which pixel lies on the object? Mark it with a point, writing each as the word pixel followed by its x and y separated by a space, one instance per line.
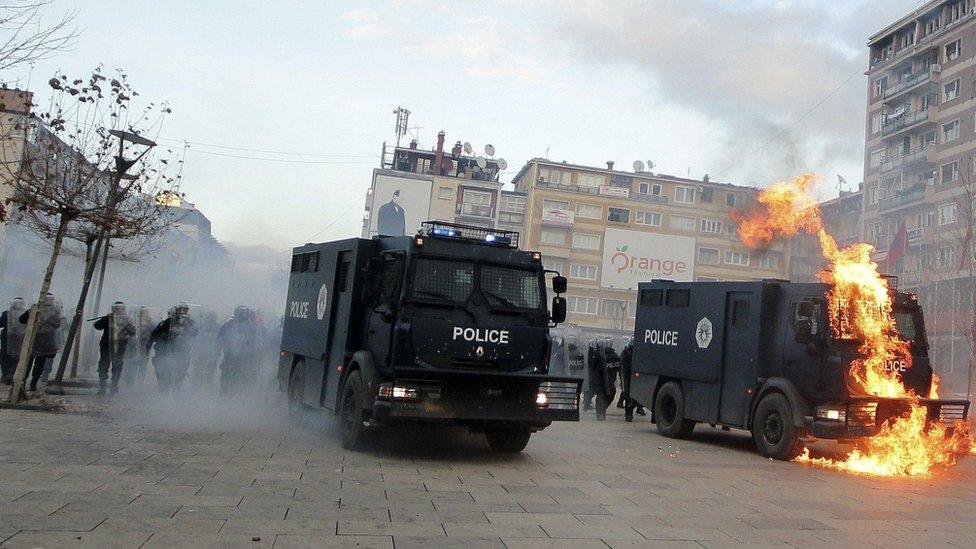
pixel 146 473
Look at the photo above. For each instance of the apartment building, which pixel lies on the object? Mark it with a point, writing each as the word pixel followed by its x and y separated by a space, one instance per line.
pixel 843 220
pixel 417 185
pixel 511 211
pixel 919 168
pixel 607 230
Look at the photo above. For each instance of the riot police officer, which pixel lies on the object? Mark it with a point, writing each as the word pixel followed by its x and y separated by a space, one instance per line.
pixel 626 369
pixel 46 341
pixel 11 339
pixel 137 355
pixel 238 346
pixel 172 339
pixel 117 329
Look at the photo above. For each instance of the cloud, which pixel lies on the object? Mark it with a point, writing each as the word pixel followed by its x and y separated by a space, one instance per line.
pixel 751 68
pixel 364 24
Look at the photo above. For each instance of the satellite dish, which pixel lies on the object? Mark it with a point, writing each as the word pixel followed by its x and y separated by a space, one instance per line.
pixel 638 166
pixel 502 165
pixel 650 165
pixel 467 147
pixel 481 162
pixel 490 149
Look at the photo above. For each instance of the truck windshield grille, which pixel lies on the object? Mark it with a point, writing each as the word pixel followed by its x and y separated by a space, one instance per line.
pixel 508 287
pixel 443 280
pixel 905 324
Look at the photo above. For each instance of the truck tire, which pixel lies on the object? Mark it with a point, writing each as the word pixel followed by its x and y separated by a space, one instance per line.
pixel 351 427
pixel 774 430
pixel 669 412
pixel 296 386
pixel 508 440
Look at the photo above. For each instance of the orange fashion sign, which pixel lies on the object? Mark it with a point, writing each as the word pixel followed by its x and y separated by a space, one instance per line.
pixel 630 257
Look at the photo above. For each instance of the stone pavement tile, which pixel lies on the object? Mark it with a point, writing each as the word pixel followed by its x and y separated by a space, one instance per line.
pixel 191 526
pixel 786 524
pixel 276 526
pixel 668 533
pixel 544 543
pixel 747 534
pixel 402 542
pixel 574 508
pixel 512 507
pixel 34 539
pixel 228 512
pixel 302 511
pixel 169 540
pixel 611 523
pixel 161 499
pixel 115 510
pixel 653 544
pixel 485 495
pixel 296 541
pixel 545 520
pixel 374 527
pixel 475 530
pixel 437 517
pixel 73 522
pixel 867 526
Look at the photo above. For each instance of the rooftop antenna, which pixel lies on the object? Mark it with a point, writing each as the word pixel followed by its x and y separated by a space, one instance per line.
pixel 489 150
pixel 650 165
pixel 841 183
pixel 502 164
pixel 402 118
pixel 638 166
pixel 467 148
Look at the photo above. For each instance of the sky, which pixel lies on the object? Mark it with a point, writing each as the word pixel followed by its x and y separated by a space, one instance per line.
pixel 748 92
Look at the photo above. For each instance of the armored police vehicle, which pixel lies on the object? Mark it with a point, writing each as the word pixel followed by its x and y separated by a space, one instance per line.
pixel 761 356
pixel 450 325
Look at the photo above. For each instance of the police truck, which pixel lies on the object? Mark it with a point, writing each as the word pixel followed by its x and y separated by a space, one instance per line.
pixel 450 325
pixel 761 356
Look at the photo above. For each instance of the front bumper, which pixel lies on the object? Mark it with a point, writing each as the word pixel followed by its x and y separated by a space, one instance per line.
pixel 865 416
pixel 462 397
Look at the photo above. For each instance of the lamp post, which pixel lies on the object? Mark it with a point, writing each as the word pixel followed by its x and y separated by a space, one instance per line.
pixel 122 166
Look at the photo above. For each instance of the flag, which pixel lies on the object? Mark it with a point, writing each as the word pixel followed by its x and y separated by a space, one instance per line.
pixel 898 248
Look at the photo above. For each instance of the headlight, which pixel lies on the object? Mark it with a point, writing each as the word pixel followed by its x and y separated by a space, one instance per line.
pixel 541 399
pixel 831 414
pixel 397 392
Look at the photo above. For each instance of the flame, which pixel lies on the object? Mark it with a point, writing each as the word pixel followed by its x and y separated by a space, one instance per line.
pixel 860 309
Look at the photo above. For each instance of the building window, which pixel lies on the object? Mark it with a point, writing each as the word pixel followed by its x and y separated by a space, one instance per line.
pixel 732 200
pixel 708 256
pixel 952 90
pixel 873 194
pixel 769 260
pixel 552 237
pixel 683 223
pixel 649 218
pixel 514 204
pixel 591 180
pixel 950 131
pixel 877 157
pixel 590 211
pixel 953 49
pixel 555 205
pixel 586 241
pixel 684 195
pixel 950 172
pixel 445 193
pixel 618 215
pixel 656 189
pixel 615 308
pixel 947 257
pixel 876 120
pixel 587 272
pixel 511 218
pixel 733 257
pixel 947 213
pixel 879 86
pixel 579 304
pixel 552 175
pixel 475 203
pixel 424 165
pixel 551 264
pixel 710 226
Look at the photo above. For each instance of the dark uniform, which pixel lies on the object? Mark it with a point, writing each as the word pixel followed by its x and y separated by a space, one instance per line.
pixel 46 341
pixel 11 339
pixel 611 370
pixel 238 346
pixel 117 329
pixel 626 368
pixel 137 355
pixel 173 341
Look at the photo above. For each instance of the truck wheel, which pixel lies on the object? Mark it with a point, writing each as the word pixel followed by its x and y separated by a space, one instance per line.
pixel 773 429
pixel 669 412
pixel 296 386
pixel 351 427
pixel 508 440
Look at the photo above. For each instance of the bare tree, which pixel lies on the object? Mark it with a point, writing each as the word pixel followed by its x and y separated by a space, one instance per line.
pixel 73 169
pixel 25 38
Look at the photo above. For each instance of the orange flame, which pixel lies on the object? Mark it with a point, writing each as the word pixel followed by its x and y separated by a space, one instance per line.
pixel 860 309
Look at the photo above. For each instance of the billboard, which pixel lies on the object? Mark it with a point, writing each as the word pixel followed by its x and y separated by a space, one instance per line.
pixel 399 205
pixel 630 257
pixel 556 217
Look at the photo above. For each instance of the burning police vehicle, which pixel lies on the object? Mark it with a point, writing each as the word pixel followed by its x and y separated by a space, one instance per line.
pixel 768 356
pixel 448 326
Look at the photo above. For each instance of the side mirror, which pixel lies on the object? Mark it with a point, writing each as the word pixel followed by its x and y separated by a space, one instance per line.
pixel 558 309
pixel 559 284
pixel 804 331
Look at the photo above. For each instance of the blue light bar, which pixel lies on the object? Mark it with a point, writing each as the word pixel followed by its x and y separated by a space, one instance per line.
pixel 440 231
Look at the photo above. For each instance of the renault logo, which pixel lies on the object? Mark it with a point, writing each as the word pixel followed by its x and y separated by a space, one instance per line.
pixel 480 351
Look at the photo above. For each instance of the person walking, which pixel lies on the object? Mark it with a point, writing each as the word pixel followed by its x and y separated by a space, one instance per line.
pixel 172 339
pixel 117 329
pixel 238 346
pixel 46 342
pixel 11 339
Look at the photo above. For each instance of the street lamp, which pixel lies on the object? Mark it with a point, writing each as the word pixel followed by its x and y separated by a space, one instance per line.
pixel 122 166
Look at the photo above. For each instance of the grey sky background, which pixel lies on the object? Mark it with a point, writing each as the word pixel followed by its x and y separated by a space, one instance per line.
pixel 696 86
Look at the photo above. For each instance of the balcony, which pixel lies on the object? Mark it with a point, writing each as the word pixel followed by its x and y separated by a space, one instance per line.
pixel 903 198
pixel 904 121
pixel 917 157
pixel 907 83
pixel 638 197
